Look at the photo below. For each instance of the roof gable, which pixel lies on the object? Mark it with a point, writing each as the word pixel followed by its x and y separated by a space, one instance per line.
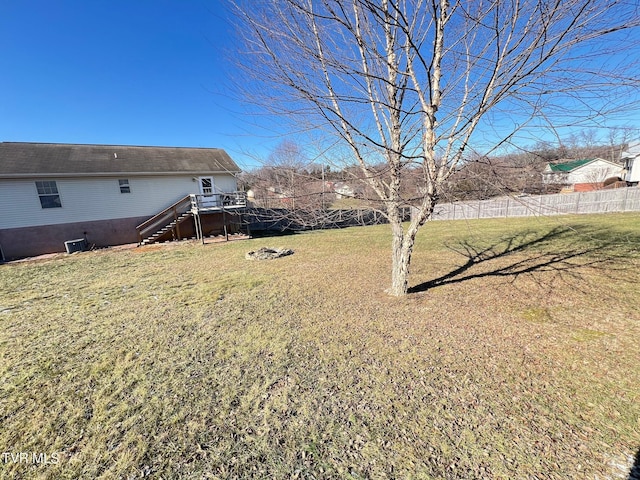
pixel 33 159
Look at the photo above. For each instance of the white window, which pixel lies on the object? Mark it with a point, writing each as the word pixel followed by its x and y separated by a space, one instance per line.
pixel 124 185
pixel 48 193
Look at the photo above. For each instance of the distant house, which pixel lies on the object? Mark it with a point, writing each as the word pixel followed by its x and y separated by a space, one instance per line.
pixel 345 190
pixel 54 193
pixel 581 175
pixel 631 161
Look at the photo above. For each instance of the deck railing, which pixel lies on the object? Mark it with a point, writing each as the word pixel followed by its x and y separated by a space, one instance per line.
pixel 217 201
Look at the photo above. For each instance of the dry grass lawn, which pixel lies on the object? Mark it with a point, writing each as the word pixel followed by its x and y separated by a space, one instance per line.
pixel 515 357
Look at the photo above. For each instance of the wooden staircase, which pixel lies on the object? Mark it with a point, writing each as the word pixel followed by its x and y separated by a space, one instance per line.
pixel 166 224
pixel 171 227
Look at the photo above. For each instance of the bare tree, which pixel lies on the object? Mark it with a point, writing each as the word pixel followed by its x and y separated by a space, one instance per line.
pixel 419 84
pixel 287 179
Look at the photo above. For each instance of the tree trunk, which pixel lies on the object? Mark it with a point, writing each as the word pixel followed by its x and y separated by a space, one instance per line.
pixel 401 250
pixel 403 241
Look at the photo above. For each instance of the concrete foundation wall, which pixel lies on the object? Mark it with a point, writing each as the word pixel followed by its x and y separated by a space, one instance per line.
pixel 31 241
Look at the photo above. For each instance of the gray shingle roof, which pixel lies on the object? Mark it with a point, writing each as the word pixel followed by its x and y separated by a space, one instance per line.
pixel 46 159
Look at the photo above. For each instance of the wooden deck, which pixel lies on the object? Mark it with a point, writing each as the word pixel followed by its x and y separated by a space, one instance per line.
pixel 190 206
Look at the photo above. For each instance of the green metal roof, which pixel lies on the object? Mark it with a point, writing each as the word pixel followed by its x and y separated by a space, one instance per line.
pixel 569 166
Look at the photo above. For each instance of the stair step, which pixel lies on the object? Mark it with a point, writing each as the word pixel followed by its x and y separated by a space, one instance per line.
pixel 152 238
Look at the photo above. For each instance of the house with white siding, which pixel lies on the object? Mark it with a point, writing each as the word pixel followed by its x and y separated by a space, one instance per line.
pixel 108 195
pixel 631 160
pixel 581 175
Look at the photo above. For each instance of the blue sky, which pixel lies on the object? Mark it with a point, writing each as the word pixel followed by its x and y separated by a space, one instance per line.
pixel 132 72
pixel 143 72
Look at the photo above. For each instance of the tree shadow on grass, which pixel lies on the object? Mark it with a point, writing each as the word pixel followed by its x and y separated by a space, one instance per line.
pixel 563 250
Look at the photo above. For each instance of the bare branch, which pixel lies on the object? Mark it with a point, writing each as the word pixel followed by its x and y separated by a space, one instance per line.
pixel 417 86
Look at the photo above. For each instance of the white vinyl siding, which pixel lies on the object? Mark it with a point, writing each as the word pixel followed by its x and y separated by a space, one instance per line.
pixel 633 174
pixel 594 172
pixel 87 199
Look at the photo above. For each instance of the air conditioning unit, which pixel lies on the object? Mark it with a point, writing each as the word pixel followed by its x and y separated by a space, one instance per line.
pixel 77 245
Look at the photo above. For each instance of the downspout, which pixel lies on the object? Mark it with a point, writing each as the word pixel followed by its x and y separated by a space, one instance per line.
pixel 2 254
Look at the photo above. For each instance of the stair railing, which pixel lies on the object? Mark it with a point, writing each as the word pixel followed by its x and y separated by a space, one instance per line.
pixel 162 219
